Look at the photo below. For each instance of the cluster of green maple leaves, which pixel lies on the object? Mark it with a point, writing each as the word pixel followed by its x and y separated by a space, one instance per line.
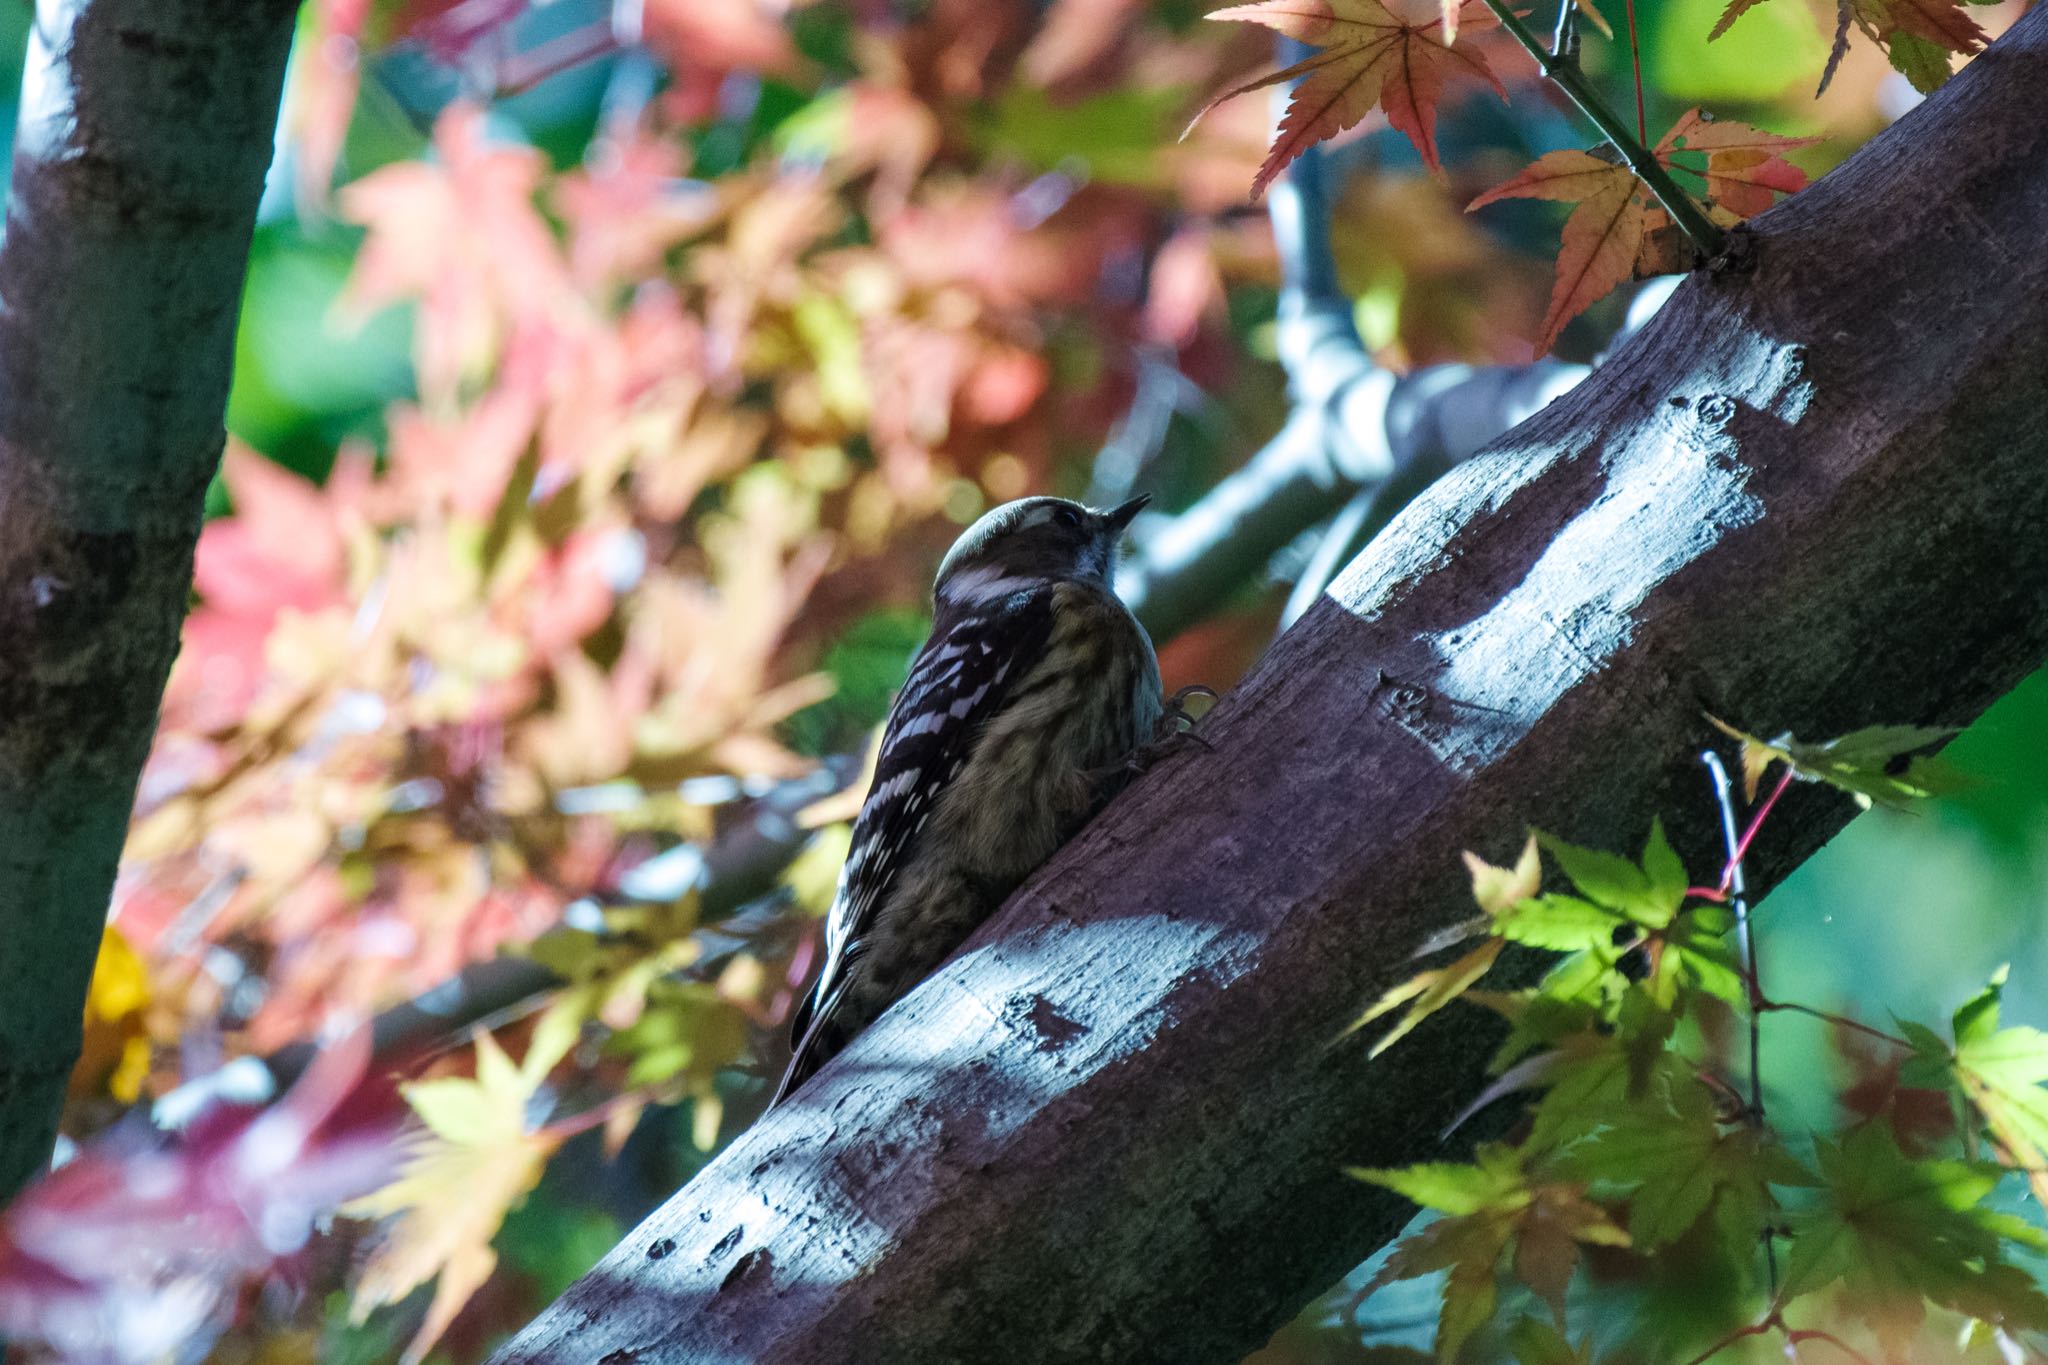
pixel 1647 1168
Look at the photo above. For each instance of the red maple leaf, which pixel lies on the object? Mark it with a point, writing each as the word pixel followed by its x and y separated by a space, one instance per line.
pixel 139 1247
pixel 1371 58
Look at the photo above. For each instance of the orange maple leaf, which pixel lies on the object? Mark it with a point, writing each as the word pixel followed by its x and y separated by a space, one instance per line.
pixel 1603 237
pixel 1746 168
pixel 1618 231
pixel 1370 57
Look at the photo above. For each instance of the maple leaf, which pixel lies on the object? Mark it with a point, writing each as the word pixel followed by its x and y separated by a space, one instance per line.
pixel 1673 1158
pixel 2000 1072
pixel 466 239
pixel 475 1159
pixel 1619 232
pixel 1648 894
pixel 1370 57
pixel 1600 1074
pixel 1917 35
pixel 1536 1342
pixel 1912 1093
pixel 140 1246
pixel 1898 1234
pixel 1746 167
pixel 1941 22
pixel 1491 1208
pixel 1603 237
pixel 703 39
pixel 1618 902
pixel 1498 890
pixel 1427 992
pixel 1876 765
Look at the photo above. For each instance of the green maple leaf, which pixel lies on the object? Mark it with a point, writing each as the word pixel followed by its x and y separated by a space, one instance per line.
pixel 1536 1019
pixel 1491 1209
pixel 1672 1158
pixel 1469 1250
pixel 1493 1180
pixel 1648 894
pixel 1693 954
pixel 1999 1072
pixel 1897 1234
pixel 1925 65
pixel 1600 1075
pixel 1536 1342
pixel 1877 765
pixel 1563 924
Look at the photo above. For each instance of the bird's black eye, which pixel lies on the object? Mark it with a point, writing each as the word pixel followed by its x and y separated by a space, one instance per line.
pixel 1066 514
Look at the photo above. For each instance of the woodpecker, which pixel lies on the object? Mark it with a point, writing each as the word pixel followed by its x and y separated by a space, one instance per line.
pixel 1019 719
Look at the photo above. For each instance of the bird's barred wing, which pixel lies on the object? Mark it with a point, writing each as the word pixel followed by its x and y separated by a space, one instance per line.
pixel 957 681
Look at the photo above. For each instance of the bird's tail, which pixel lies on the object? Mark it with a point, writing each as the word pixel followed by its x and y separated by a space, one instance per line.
pixel 819 1043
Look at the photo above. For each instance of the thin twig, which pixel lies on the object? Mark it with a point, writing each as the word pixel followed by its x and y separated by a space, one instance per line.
pixel 1754 1329
pixel 1756 822
pixel 1769 1006
pixel 1561 68
pixel 1803 1334
pixel 1745 945
pixel 1635 58
pixel 1774 1321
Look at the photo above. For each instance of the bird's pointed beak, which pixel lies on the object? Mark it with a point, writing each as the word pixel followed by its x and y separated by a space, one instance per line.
pixel 1120 516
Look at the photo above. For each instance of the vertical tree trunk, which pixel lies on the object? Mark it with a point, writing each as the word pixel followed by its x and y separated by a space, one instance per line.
pixel 145 130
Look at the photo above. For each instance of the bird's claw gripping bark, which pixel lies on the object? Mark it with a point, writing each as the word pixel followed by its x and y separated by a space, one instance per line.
pixel 1177 721
pixel 1176 726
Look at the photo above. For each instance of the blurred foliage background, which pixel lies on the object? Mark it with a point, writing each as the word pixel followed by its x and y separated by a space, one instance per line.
pixel 610 379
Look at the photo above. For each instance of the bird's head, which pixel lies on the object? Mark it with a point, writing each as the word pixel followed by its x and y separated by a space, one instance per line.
pixel 1029 541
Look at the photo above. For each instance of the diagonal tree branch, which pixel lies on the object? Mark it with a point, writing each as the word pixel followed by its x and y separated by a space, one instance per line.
pixel 144 132
pixel 1810 497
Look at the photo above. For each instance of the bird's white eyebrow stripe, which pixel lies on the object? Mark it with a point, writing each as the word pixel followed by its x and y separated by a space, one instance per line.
pixel 983 585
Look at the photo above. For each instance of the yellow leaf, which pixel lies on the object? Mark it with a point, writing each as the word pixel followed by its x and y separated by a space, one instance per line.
pixel 115 1056
pixel 558 1030
pixel 1429 991
pixel 474 1162
pixel 1499 889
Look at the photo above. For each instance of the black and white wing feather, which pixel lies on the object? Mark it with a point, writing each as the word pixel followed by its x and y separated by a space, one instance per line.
pixel 957 682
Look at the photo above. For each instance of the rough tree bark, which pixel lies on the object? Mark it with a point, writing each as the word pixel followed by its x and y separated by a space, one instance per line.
pixel 1809 496
pixel 145 130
